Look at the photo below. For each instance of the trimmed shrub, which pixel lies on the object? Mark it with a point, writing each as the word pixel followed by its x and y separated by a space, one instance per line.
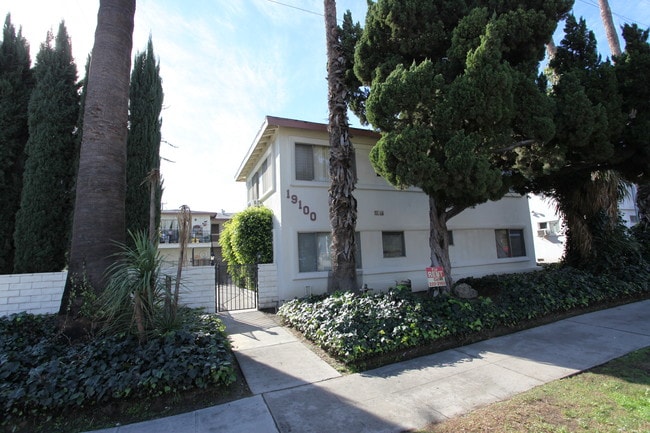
pixel 247 239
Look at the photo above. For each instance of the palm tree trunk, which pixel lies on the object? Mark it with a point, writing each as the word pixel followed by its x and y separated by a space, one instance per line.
pixel 342 204
pixel 582 203
pixel 98 220
pixel 610 30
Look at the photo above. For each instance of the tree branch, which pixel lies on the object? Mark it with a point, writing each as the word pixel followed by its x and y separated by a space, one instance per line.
pixel 516 145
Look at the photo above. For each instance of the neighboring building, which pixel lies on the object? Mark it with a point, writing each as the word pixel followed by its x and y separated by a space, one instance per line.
pixel 203 246
pixel 549 229
pixel 286 170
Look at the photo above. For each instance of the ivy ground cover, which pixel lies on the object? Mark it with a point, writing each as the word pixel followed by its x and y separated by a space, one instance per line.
pixel 371 329
pixel 41 373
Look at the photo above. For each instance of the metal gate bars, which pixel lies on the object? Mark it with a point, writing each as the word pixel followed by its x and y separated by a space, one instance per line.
pixel 235 287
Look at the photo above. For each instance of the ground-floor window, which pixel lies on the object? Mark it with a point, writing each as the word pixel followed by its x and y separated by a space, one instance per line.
pixel 393 244
pixel 314 251
pixel 510 243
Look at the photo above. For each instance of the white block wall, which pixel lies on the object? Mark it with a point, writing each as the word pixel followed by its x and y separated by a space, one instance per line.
pixel 41 293
pixel 267 286
pixel 197 287
pixel 33 293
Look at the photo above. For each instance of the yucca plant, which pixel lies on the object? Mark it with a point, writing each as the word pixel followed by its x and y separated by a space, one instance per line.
pixel 134 295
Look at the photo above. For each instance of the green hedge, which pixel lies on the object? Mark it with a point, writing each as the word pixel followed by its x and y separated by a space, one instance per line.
pixel 354 328
pixel 41 373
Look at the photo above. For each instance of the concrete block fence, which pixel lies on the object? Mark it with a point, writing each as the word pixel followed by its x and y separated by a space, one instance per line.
pixel 41 293
pixel 197 287
pixel 34 293
pixel 267 286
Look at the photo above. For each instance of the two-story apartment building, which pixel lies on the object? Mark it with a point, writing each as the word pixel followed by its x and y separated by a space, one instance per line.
pixel 286 170
pixel 203 244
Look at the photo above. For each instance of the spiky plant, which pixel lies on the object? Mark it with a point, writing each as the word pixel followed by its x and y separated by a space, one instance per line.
pixel 134 294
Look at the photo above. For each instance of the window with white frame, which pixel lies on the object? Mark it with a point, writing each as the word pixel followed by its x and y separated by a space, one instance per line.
pixel 312 162
pixel 393 244
pixel 510 243
pixel 261 181
pixel 551 228
pixel 314 251
pixel 266 175
pixel 254 189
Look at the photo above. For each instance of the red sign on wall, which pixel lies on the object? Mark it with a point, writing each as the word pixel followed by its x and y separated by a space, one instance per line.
pixel 436 277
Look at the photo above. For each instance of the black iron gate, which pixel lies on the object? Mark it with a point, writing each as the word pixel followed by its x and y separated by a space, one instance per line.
pixel 236 288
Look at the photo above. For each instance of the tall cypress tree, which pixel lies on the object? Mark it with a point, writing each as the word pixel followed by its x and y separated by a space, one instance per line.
pixel 143 146
pixel 15 87
pixel 43 222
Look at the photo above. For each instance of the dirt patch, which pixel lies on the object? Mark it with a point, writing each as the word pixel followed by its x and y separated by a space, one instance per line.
pixel 516 415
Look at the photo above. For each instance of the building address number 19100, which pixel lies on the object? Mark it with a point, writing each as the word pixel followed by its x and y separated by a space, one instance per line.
pixel 303 207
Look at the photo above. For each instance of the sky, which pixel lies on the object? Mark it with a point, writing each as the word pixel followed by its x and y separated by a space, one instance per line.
pixel 225 65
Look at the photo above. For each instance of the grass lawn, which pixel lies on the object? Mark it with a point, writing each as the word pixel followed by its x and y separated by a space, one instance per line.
pixel 614 397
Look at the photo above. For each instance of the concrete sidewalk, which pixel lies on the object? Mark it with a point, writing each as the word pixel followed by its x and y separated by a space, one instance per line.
pixel 295 391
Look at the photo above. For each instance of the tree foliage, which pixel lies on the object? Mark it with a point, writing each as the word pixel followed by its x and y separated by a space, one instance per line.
pixel 16 83
pixel 143 145
pixel 43 222
pixel 453 89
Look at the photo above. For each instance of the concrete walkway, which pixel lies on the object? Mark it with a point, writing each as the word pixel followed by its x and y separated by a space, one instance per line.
pixel 295 391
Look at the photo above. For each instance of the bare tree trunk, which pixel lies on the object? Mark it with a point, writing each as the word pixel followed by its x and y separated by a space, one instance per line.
pixel 138 313
pixel 154 181
pixel 551 49
pixel 184 222
pixel 99 218
pixel 610 30
pixel 342 204
pixel 439 241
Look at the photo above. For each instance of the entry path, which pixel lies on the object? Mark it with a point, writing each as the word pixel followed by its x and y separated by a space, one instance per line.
pixel 296 391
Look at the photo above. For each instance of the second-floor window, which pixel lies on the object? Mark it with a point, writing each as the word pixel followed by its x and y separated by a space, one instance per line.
pixel 262 181
pixel 312 162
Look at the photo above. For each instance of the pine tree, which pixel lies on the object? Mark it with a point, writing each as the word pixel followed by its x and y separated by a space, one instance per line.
pixel 15 87
pixel 143 146
pixel 580 166
pixel 454 92
pixel 43 222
